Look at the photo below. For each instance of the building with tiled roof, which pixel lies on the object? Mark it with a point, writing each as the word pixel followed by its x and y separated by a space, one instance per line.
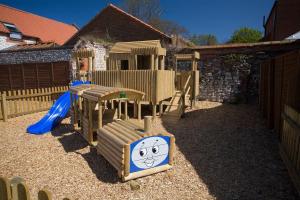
pixel 115 24
pixel 21 27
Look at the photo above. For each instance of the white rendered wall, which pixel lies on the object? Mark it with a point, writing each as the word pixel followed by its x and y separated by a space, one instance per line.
pixel 6 43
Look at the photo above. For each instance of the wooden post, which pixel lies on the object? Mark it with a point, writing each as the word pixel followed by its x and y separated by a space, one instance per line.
pixel 193 65
pixel 147 124
pixel 80 110
pixel 126 110
pixel 156 62
pixel 90 129
pixel 112 106
pixel 126 159
pixel 4 107
pixel 183 103
pixel 5 191
pixel 135 62
pixel 172 150
pixel 152 62
pixel 90 63
pixel 139 110
pixel 100 114
pixel 78 68
pixel 135 111
pixel 19 189
pixel 93 64
pixel 119 109
pixel 153 110
pixel 195 88
pixel 161 108
pixel 44 194
pixel 175 64
pixel 162 63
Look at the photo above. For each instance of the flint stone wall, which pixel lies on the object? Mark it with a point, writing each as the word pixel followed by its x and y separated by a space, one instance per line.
pixel 35 56
pixel 222 82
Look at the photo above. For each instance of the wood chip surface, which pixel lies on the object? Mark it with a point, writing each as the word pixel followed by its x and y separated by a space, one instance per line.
pixel 223 152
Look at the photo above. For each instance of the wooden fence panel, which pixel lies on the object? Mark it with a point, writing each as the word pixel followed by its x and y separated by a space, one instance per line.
pixel 21 102
pixel 279 85
pixel 290 143
pixel 33 75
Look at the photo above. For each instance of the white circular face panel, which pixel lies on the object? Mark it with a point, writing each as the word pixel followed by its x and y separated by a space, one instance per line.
pixel 150 152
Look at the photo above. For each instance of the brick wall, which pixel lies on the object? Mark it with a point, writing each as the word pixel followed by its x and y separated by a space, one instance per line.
pixel 117 26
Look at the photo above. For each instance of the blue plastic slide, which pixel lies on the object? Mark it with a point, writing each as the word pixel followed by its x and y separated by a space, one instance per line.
pixel 56 114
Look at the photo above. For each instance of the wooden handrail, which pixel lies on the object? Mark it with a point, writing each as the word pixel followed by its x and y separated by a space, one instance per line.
pixel 186 83
pixel 33 95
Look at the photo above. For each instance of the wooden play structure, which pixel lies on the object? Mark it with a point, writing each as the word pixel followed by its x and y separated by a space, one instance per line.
pixel 120 140
pixel 139 65
pixel 135 75
pixel 90 110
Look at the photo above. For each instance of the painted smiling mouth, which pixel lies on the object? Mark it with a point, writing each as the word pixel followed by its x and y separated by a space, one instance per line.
pixel 149 162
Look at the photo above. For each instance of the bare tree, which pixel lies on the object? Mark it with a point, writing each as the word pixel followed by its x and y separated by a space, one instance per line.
pixel 145 10
pixel 150 11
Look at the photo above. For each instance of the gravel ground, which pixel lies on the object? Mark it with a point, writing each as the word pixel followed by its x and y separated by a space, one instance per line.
pixel 223 152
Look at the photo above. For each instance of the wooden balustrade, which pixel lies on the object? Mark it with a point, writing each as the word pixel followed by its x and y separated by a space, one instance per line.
pixel 156 84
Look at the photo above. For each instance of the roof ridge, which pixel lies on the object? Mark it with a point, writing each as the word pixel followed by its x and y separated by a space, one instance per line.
pixel 137 19
pixel 27 12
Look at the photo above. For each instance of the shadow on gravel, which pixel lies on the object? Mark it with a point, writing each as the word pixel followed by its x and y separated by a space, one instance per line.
pixel 100 167
pixel 72 141
pixel 233 153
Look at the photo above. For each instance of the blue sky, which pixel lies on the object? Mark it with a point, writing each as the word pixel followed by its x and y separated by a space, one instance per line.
pixel 219 17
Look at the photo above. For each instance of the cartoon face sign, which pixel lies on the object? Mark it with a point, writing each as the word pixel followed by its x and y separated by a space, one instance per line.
pixel 149 152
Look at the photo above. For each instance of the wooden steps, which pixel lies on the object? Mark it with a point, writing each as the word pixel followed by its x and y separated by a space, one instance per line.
pixel 175 108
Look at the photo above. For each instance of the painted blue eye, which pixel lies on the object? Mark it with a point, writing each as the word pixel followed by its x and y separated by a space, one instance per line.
pixel 155 149
pixel 143 152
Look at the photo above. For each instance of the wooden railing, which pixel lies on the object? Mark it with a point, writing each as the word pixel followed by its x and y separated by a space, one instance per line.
pixel 156 84
pixel 16 189
pixel 20 102
pixel 290 143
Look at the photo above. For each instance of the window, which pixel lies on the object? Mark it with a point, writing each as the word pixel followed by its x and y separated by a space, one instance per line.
pixel 14 32
pixel 11 27
pixel 143 62
pixel 124 65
